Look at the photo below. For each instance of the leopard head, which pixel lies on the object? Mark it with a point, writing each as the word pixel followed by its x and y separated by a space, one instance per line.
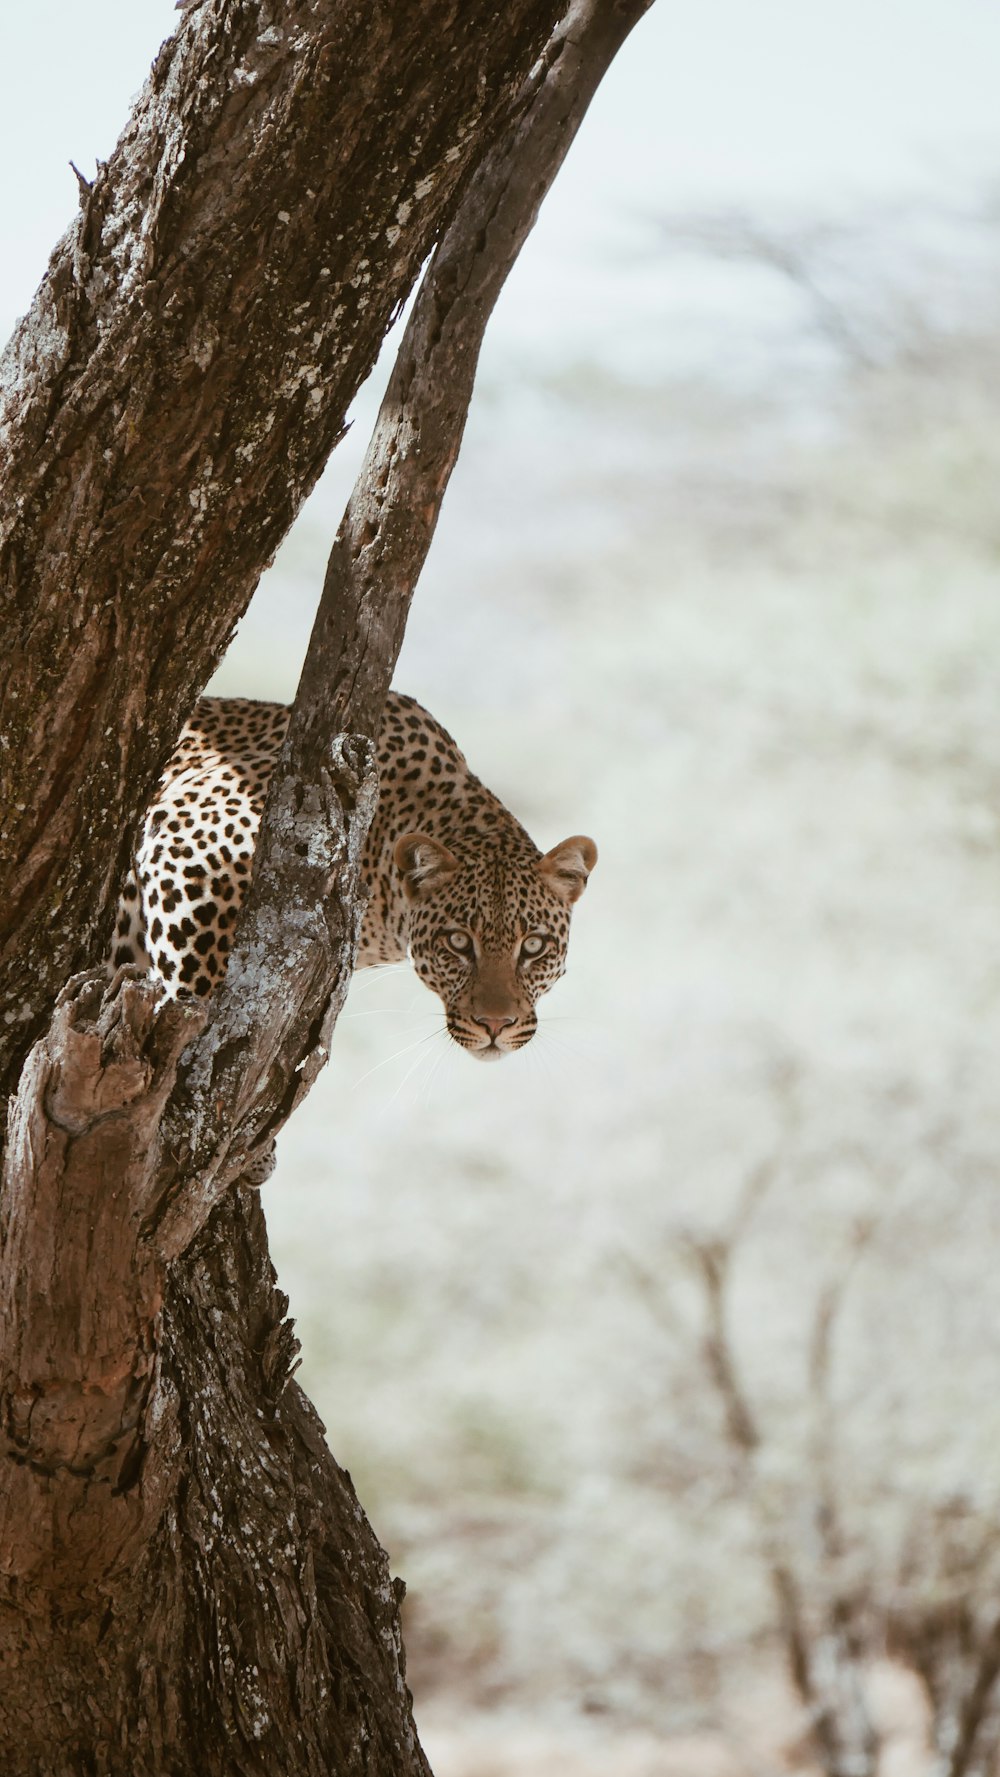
pixel 488 930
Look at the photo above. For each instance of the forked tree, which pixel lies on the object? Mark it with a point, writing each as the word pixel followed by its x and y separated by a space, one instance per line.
pixel 189 1583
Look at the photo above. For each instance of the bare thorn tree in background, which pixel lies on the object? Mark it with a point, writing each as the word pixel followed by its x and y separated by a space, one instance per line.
pixel 845 1596
pixel 821 1616
pixel 944 1623
pixel 188 1582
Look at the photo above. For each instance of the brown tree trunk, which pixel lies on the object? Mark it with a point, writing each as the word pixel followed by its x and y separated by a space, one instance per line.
pixel 187 1581
pixel 190 1584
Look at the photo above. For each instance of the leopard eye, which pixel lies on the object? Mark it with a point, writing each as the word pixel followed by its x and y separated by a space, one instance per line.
pixel 533 945
pixel 459 941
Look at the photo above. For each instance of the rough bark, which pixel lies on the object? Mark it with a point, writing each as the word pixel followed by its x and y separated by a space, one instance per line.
pixel 187 1582
pixel 190 1584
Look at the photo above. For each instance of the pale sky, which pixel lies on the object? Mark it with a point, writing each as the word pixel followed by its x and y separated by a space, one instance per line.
pixel 799 103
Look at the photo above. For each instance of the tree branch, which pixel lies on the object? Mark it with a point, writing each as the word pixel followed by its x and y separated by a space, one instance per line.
pixel 272 1018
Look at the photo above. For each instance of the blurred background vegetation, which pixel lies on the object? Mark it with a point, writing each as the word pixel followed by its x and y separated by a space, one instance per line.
pixel 745 629
pixel 665 1357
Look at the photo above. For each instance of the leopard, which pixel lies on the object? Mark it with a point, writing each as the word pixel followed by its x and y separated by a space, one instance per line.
pixel 451 879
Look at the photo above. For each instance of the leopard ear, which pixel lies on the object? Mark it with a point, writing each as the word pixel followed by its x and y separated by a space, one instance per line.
pixel 423 863
pixel 567 866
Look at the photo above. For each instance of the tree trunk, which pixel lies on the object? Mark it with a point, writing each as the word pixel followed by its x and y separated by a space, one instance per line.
pixel 187 1581
pixel 191 1583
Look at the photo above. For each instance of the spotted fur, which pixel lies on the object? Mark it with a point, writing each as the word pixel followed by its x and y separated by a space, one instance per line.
pixel 452 878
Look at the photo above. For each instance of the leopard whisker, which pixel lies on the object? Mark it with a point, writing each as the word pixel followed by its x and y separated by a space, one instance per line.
pixel 396 1011
pixel 411 1070
pixel 554 1040
pixel 407 1049
pixel 437 1059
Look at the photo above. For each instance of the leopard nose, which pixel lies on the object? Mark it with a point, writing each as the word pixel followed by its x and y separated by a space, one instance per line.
pixel 494 1025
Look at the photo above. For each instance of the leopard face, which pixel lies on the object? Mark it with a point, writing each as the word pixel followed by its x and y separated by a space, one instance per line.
pixel 488 931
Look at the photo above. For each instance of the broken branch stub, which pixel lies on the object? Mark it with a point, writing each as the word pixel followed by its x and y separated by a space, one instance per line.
pixel 79 1286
